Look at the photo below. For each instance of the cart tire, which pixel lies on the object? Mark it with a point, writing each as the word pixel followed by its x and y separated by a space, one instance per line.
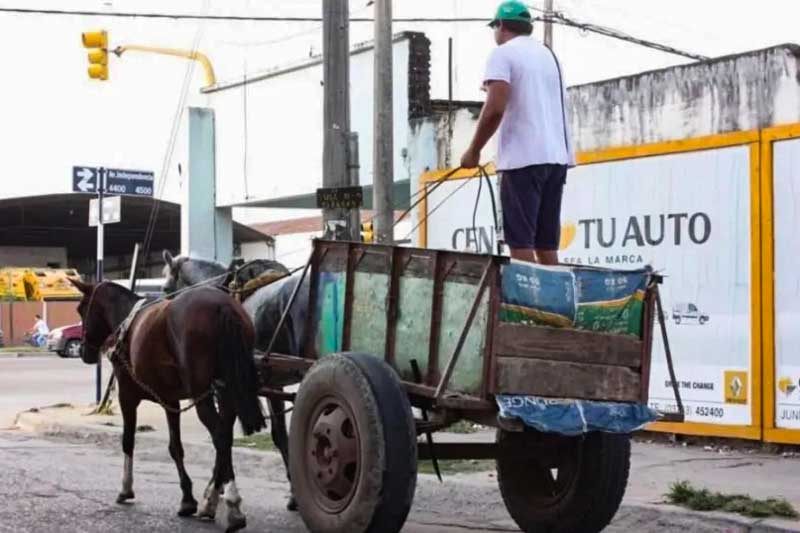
pixel 595 473
pixel 361 477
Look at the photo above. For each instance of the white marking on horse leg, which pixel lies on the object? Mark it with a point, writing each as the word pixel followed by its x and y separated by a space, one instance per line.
pixel 127 475
pixel 208 508
pixel 232 494
pixel 236 518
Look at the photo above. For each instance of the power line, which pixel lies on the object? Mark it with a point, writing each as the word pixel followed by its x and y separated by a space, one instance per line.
pixel 190 16
pixel 559 18
pixel 556 18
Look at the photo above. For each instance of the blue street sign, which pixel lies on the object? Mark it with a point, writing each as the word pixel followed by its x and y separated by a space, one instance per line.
pixel 117 181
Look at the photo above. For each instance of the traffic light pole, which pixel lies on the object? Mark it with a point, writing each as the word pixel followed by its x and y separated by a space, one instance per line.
pixel 101 188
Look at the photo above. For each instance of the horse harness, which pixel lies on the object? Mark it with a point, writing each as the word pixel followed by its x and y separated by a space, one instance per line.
pixel 116 355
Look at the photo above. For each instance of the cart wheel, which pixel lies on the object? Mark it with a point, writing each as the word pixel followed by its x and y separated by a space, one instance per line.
pixel 353 447
pixel 553 484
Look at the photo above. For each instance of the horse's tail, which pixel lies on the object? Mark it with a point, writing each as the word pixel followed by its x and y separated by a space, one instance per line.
pixel 239 371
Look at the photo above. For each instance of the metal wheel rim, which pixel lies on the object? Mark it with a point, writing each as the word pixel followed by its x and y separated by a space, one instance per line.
pixel 333 452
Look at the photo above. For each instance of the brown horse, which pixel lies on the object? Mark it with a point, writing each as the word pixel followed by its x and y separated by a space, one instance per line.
pixel 197 346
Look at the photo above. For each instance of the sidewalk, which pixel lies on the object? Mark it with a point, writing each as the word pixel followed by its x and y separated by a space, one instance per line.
pixel 654 466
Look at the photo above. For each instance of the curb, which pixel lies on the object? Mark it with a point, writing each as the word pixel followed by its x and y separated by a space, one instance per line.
pixel 33 422
pixel 735 522
pixel 14 355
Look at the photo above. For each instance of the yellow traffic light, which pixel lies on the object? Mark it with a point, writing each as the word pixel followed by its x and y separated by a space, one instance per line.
pixel 367 232
pixel 97 42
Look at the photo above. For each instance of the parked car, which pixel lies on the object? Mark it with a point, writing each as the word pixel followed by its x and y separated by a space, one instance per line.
pixel 2 339
pixel 688 312
pixel 66 341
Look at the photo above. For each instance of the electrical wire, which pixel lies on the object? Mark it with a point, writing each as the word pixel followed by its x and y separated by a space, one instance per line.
pixel 150 230
pixel 432 211
pixel 559 18
pixel 190 16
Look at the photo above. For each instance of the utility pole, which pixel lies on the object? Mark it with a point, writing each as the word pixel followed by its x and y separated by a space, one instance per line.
pixel 383 125
pixel 101 189
pixel 336 110
pixel 548 26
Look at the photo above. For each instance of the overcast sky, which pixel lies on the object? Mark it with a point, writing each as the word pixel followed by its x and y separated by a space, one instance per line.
pixel 52 116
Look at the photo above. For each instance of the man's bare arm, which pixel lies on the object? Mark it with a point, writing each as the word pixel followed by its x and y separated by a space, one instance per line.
pixel 489 121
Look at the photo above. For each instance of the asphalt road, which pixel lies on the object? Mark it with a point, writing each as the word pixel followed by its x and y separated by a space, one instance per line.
pixel 40 380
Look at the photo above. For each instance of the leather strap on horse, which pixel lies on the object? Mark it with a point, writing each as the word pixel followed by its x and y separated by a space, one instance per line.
pixel 115 355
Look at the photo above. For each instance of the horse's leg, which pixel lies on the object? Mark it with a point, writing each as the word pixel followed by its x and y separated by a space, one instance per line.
pixel 280 436
pixel 128 404
pixel 208 415
pixel 226 477
pixel 188 503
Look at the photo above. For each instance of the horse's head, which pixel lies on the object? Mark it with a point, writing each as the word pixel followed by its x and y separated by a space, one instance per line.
pixel 172 272
pixel 182 271
pixel 95 325
pixel 102 308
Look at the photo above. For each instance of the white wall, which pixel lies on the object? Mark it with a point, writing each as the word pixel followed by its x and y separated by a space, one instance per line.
pixel 274 149
pixel 250 251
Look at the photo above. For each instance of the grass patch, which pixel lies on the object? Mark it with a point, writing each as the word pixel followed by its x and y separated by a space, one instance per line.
pixel 463 426
pixel 684 494
pixel 456 466
pixel 22 349
pixel 257 441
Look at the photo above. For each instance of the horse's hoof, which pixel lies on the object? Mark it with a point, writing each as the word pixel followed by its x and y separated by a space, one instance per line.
pixel 291 505
pixel 188 508
pixel 125 496
pixel 235 523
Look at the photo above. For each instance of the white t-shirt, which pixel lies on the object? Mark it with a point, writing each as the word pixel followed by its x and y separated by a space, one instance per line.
pixel 41 328
pixel 533 130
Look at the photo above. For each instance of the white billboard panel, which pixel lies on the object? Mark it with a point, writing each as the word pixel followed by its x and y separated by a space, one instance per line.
pixel 786 183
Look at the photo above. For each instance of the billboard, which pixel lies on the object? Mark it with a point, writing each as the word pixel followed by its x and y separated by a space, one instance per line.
pixel 786 187
pixel 686 214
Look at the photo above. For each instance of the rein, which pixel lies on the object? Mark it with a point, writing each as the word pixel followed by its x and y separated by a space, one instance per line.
pixel 121 332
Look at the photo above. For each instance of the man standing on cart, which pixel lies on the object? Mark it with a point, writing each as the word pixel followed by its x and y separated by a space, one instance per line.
pixel 526 101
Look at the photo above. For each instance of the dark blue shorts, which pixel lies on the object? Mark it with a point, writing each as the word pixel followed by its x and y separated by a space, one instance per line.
pixel 531 200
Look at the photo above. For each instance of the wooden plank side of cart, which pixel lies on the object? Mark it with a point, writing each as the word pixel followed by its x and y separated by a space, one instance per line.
pixel 407 304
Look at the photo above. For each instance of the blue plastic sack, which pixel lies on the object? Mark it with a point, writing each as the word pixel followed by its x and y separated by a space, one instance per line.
pixel 574 417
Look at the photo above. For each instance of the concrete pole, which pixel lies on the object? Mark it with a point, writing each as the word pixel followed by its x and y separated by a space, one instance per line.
pixel 383 125
pixel 548 26
pixel 336 109
pixel 206 230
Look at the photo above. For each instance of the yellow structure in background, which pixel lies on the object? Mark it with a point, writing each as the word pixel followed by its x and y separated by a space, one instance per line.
pixel 761 384
pixel 20 285
pixel 37 284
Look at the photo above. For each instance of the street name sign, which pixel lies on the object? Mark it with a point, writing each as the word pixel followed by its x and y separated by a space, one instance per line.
pixel 117 181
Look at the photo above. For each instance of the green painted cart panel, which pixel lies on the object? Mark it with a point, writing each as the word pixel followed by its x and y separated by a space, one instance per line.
pixel 456 302
pixel 368 325
pixel 330 309
pixel 415 299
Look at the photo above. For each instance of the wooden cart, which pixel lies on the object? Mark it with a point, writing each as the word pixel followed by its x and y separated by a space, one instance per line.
pixel 392 328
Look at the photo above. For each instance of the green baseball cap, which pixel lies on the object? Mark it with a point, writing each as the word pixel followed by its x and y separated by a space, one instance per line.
pixel 511 10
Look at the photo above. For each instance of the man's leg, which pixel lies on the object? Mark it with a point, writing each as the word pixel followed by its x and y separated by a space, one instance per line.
pixel 523 254
pixel 548 223
pixel 519 194
pixel 547 257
